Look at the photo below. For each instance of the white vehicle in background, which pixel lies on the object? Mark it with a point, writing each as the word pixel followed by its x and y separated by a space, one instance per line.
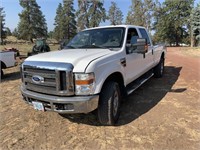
pixel 95 70
pixel 7 60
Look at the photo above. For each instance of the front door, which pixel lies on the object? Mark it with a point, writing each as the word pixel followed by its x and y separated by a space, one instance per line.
pixel 135 62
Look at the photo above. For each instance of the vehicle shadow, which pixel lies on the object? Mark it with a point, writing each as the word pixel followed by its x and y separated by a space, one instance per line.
pixel 11 76
pixel 140 101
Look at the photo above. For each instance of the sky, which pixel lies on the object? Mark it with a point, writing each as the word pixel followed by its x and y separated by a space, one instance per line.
pixel 48 7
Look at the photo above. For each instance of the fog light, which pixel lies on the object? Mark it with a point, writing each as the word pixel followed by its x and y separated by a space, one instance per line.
pixel 68 107
pixel 64 106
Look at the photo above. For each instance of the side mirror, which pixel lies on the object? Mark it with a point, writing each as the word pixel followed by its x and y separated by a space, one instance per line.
pixel 140 47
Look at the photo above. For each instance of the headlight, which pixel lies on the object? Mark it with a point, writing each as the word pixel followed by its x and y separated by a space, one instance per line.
pixel 84 83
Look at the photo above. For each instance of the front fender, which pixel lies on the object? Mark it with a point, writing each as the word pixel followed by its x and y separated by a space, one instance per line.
pixel 104 67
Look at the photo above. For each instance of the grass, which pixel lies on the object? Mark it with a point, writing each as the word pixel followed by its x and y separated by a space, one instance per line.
pixel 24 46
pixel 192 51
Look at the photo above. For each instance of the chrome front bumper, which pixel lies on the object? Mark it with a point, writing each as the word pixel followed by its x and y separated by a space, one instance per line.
pixel 64 105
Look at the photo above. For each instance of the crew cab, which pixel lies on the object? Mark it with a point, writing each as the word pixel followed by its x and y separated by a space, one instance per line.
pixel 7 60
pixel 95 71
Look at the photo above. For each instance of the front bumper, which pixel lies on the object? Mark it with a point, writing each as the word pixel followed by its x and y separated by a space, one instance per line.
pixel 63 105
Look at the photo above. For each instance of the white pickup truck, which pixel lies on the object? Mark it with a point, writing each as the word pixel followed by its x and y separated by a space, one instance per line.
pixel 96 69
pixel 7 60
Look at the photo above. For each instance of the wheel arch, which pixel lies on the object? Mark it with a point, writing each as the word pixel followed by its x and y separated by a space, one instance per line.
pixel 3 65
pixel 116 77
pixel 163 55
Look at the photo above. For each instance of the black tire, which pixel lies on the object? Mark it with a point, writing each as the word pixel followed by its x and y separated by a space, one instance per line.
pixel 18 54
pixel 2 75
pixel 159 69
pixel 48 48
pixel 29 54
pixel 34 49
pixel 109 103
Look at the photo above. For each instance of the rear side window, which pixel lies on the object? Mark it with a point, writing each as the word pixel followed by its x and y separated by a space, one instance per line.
pixel 145 35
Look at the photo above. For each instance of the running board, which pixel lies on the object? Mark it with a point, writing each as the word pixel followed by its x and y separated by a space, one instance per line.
pixel 138 82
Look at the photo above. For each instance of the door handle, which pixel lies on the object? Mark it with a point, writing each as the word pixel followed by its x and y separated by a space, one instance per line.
pixel 123 62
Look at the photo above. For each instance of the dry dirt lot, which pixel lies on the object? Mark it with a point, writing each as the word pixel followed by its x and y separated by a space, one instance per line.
pixel 162 114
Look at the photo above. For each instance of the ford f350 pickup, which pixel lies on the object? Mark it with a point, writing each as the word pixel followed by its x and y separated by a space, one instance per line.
pixel 94 71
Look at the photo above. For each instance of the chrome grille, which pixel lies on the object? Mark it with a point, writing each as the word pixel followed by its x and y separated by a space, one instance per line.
pixel 57 81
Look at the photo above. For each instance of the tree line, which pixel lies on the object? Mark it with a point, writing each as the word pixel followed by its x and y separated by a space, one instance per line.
pixel 173 21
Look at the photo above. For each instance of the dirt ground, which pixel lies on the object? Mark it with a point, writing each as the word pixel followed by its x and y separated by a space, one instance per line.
pixel 162 114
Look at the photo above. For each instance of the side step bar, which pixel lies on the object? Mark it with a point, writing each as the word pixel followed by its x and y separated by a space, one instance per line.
pixel 138 82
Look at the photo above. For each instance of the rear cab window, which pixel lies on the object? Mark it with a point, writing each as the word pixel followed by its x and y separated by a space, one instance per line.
pixel 145 35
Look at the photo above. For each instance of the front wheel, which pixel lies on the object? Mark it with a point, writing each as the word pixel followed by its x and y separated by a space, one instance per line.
pixel 159 69
pixel 109 103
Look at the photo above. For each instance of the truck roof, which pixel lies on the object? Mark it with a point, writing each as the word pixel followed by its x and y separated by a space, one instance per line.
pixel 113 26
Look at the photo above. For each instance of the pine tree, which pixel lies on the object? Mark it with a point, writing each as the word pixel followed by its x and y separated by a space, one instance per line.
pixel 58 32
pixel 65 23
pixel 115 14
pixel 32 22
pixel 136 14
pixel 195 26
pixel 82 14
pixel 8 32
pixel 15 33
pixel 2 23
pixel 149 6
pixel 141 13
pixel 90 13
pixel 96 13
pixel 159 24
pixel 69 22
pixel 172 21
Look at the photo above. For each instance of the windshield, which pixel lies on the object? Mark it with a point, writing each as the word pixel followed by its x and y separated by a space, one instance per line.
pixel 98 38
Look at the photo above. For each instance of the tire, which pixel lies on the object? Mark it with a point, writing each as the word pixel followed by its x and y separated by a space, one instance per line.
pixel 159 69
pixel 48 48
pixel 29 54
pixel 109 103
pixel 2 75
pixel 34 49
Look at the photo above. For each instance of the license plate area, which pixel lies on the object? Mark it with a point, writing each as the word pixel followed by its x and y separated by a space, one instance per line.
pixel 38 106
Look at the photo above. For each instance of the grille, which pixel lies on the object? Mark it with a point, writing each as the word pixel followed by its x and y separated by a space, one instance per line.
pixel 52 82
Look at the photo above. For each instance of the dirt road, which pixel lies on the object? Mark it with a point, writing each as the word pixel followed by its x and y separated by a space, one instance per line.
pixel 162 114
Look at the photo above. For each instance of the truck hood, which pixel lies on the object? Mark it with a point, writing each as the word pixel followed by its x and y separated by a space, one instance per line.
pixel 79 58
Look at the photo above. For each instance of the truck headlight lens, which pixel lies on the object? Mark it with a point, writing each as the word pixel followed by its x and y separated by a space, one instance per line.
pixel 84 83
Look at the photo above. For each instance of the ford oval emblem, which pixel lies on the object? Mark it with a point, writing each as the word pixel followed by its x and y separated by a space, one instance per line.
pixel 37 79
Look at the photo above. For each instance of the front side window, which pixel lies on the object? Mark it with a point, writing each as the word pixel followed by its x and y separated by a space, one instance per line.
pixel 132 37
pixel 98 38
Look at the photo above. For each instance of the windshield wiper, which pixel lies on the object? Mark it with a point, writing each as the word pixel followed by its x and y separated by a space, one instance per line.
pixel 94 46
pixel 69 46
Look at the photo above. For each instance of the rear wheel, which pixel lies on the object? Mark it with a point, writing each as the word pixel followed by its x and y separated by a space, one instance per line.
pixel 159 69
pixel 109 103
